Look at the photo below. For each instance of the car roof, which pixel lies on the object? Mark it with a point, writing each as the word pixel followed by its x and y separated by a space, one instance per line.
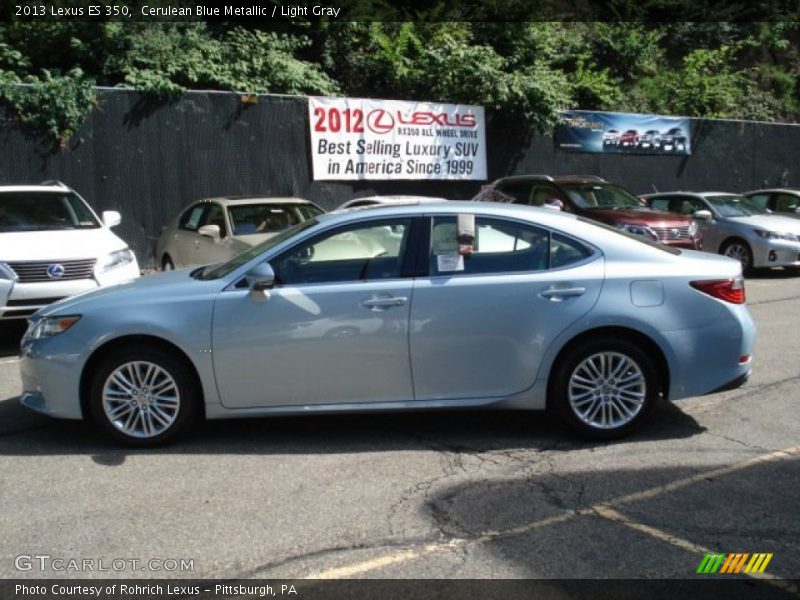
pixel 686 193
pixel 783 190
pixel 235 200
pixel 553 178
pixel 397 199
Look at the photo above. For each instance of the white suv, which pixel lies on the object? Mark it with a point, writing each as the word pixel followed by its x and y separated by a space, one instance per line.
pixel 53 245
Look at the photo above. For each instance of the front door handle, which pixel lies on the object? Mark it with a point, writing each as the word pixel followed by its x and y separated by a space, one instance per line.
pixel 379 304
pixel 559 294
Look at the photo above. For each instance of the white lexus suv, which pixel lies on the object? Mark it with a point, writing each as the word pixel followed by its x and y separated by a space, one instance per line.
pixel 53 245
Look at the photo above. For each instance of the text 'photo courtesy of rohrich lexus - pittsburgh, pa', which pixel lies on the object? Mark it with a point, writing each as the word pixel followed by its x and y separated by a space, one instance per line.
pixel 488 305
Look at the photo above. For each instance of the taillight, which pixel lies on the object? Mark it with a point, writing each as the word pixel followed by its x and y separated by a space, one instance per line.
pixel 729 290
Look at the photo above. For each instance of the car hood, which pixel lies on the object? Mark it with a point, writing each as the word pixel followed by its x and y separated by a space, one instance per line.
pixel 169 286
pixel 73 244
pixel 771 223
pixel 652 218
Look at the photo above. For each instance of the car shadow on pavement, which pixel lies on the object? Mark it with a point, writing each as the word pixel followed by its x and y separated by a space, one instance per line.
pixel 781 273
pixel 11 333
pixel 596 522
pixel 25 433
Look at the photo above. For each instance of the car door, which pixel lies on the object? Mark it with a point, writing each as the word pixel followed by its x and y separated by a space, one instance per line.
pixel 334 329
pixel 480 325
pixel 208 250
pixel 181 247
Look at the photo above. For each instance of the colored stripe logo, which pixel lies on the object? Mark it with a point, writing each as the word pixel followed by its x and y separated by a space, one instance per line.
pixel 740 562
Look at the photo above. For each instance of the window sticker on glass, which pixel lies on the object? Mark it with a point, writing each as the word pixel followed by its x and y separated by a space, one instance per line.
pixel 447 263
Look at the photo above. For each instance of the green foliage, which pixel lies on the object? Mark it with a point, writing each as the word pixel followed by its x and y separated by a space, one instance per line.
pixel 528 69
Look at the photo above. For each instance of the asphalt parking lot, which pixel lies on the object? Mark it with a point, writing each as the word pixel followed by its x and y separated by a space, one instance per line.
pixel 436 495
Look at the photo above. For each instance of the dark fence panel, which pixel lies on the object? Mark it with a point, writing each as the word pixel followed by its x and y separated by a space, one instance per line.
pixel 148 160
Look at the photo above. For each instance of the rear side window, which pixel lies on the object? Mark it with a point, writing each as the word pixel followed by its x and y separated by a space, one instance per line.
pixel 565 251
pixel 190 220
pixel 44 212
pixel 500 247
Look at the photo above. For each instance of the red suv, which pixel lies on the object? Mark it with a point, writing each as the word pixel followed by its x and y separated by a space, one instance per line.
pixel 597 199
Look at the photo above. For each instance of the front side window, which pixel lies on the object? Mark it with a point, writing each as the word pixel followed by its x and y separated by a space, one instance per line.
pixel 661 204
pixel 500 247
pixel 786 202
pixel 760 199
pixel 215 216
pixel 361 252
pixel 44 212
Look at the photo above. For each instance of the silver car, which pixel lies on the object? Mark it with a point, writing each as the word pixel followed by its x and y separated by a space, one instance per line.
pixel 400 308
pixel 738 227
pixel 217 229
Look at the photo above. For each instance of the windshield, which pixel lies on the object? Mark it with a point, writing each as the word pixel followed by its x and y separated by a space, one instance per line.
pixel 44 211
pixel 601 195
pixel 735 206
pixel 256 218
pixel 237 261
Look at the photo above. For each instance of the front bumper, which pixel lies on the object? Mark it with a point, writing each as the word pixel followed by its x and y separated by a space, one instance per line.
pixel 50 370
pixel 775 253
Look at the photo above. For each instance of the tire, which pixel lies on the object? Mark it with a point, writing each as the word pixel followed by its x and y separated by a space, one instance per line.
pixel 740 250
pixel 122 402
pixel 587 394
pixel 167 264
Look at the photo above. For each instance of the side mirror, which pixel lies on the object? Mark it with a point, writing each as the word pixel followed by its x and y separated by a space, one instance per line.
pixel 111 218
pixel 704 215
pixel 211 231
pixel 262 280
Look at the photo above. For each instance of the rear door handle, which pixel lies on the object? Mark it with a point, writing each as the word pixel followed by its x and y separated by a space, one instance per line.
pixel 558 294
pixel 378 304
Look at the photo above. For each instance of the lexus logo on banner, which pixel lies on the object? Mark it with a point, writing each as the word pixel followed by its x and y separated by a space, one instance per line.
pixel 355 138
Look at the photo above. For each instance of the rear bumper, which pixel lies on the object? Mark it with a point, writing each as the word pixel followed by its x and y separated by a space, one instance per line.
pixel 737 382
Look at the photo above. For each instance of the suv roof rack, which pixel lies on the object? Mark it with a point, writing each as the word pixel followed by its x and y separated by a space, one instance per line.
pixel 536 176
pixel 589 177
pixel 55 182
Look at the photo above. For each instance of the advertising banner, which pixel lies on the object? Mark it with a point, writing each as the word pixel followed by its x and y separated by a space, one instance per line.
pixel 621 133
pixel 355 138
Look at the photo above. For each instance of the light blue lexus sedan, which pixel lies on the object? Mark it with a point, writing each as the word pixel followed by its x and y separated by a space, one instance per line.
pixel 402 307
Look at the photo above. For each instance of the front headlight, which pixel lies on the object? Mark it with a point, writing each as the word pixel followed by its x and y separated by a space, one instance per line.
pixel 642 230
pixel 774 235
pixel 50 326
pixel 693 229
pixel 117 259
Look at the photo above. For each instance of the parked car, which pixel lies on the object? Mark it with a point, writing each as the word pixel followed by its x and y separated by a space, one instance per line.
pixel 387 200
pixel 571 314
pixel 781 201
pixel 736 226
pixel 596 199
pixel 673 139
pixel 611 137
pixel 53 245
pixel 649 139
pixel 629 138
pixel 217 229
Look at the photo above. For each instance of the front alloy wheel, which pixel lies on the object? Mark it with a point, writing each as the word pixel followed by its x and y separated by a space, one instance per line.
pixel 144 395
pixel 740 251
pixel 604 388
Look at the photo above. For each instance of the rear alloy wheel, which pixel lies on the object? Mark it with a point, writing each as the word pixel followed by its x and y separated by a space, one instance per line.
pixel 143 396
pixel 605 388
pixel 739 250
